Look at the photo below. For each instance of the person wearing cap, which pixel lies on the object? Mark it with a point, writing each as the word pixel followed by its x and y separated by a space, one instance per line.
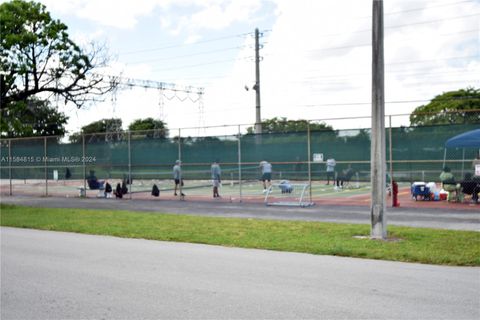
pixel 177 176
pixel 216 173
pixel 266 174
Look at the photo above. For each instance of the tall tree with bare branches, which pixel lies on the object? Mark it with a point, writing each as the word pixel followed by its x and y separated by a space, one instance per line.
pixel 38 60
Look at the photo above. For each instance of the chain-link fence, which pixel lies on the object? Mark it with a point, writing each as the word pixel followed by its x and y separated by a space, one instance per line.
pixel 49 166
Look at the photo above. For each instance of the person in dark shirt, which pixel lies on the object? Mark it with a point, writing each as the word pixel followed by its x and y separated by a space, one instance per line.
pixel 93 182
pixel 470 186
pixel 345 176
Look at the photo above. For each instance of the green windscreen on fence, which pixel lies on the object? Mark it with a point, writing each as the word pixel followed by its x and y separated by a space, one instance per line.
pixel 287 152
pixel 418 153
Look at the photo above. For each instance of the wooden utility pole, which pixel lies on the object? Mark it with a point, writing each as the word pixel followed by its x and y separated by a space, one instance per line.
pixel 378 158
pixel 258 118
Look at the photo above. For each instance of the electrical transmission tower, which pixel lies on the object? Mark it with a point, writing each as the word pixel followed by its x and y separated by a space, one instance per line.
pixel 179 92
pixel 114 127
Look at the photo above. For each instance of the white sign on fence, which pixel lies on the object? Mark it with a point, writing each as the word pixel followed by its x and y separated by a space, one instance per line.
pixel 318 157
pixel 477 169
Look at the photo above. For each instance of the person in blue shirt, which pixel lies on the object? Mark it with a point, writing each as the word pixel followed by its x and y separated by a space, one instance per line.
pixel 216 178
pixel 177 177
pixel 266 174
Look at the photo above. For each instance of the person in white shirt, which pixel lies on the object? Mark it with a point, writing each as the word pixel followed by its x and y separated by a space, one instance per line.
pixel 331 170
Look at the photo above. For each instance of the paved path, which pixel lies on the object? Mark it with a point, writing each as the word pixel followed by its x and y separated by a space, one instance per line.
pixel 415 217
pixel 56 275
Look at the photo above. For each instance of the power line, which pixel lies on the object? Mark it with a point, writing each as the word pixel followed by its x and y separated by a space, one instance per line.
pixel 340 47
pixel 389 72
pixel 404 73
pixel 428 60
pixel 460 32
pixel 387 102
pixel 196 65
pixel 186 44
pixel 456 34
pixel 351 74
pixel 409 84
pixel 205 77
pixel 228 110
pixel 418 9
pixel 436 73
pixel 367 44
pixel 188 55
pixel 432 21
pixel 426 8
pixel 397 26
pixel 243 34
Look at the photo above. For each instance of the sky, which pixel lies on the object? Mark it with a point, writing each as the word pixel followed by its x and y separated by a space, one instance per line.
pixel 316 58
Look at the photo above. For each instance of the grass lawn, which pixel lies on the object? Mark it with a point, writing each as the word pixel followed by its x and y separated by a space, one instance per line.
pixel 446 247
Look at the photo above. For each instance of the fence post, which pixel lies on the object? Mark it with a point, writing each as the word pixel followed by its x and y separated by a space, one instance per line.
pixel 239 154
pixel 390 149
pixel 10 164
pixel 180 158
pixel 45 164
pixel 83 164
pixel 444 156
pixel 130 165
pixel 309 162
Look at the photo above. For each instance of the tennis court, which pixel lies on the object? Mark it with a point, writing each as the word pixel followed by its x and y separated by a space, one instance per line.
pixel 48 166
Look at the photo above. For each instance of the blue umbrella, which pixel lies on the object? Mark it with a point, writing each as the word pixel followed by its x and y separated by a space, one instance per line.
pixel 469 139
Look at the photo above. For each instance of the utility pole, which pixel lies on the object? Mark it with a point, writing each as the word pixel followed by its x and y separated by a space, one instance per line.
pixel 256 87
pixel 378 157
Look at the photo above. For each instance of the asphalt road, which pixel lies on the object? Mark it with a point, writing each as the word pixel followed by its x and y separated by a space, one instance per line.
pixel 56 275
pixel 414 217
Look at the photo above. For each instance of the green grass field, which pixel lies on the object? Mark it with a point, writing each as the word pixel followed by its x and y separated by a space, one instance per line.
pixel 446 247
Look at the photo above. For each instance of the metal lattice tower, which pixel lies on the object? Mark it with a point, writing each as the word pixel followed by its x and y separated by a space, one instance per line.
pixel 201 113
pixel 162 87
pixel 157 133
pixel 114 128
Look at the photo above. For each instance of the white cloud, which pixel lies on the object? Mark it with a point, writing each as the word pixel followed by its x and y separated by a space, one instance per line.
pixel 214 15
pixel 189 14
pixel 114 13
pixel 316 54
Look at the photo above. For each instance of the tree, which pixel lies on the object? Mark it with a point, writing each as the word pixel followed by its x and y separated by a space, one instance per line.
pixel 183 140
pixel 37 58
pixel 102 126
pixel 454 107
pixel 155 128
pixel 33 117
pixel 99 127
pixel 282 125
